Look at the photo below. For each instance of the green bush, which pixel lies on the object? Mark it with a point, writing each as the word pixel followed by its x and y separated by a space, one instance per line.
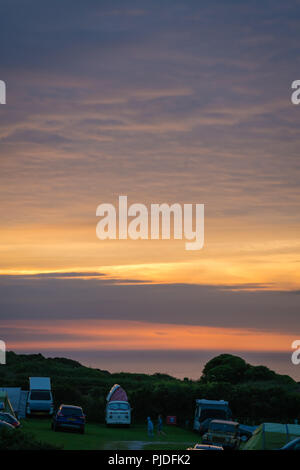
pixel 18 440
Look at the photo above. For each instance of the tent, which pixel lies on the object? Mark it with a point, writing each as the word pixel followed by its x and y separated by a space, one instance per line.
pixel 270 436
pixel 5 404
pixel 117 393
pixel 13 394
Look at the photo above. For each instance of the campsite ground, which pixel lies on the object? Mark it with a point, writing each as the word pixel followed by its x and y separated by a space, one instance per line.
pixel 98 437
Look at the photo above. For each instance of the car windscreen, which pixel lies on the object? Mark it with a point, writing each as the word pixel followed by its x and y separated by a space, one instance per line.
pixel 222 428
pixel 212 413
pixel 118 406
pixel 40 395
pixel 68 411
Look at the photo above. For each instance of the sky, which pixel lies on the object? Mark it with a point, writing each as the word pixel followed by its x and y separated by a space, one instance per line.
pixel 165 102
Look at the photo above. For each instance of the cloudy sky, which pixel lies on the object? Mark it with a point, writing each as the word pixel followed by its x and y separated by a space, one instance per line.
pixel 163 101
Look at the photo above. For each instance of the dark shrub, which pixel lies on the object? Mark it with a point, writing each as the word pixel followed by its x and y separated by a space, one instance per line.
pixel 18 440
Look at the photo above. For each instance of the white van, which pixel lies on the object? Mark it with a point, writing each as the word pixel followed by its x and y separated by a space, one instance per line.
pixel 118 410
pixel 207 410
pixel 40 399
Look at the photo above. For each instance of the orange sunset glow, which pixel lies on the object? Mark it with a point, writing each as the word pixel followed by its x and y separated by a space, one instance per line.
pixel 137 335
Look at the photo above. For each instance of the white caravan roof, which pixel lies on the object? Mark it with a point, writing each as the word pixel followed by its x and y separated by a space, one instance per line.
pixel 212 402
pixel 39 383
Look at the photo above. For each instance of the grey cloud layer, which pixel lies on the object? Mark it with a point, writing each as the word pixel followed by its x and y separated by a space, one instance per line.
pixel 70 299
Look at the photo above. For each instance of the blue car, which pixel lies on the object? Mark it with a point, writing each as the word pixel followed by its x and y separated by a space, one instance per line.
pixel 69 417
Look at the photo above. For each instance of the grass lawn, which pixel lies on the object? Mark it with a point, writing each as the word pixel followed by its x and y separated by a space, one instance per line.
pixel 98 437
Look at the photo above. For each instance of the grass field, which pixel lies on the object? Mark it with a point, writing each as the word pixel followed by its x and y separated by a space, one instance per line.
pixel 98 437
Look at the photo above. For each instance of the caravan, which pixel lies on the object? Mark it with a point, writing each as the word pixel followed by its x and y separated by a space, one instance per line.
pixel 40 400
pixel 206 410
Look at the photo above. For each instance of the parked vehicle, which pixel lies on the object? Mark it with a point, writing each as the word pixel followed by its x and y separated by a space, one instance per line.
pixel 118 410
pixel 40 399
pixel 246 432
pixel 206 410
pixel 204 447
pixel 292 445
pixel 8 418
pixel 223 433
pixel 4 425
pixel 69 417
pixel 203 428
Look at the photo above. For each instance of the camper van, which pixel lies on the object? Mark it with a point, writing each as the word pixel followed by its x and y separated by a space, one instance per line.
pixel 118 411
pixel 40 400
pixel 206 410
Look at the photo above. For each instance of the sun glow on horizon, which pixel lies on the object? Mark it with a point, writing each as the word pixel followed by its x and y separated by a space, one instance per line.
pixel 134 335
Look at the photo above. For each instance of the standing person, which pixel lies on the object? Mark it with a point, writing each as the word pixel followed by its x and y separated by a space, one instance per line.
pixel 149 427
pixel 159 425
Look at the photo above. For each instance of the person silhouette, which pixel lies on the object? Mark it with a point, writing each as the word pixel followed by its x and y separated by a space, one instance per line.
pixel 160 425
pixel 149 427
